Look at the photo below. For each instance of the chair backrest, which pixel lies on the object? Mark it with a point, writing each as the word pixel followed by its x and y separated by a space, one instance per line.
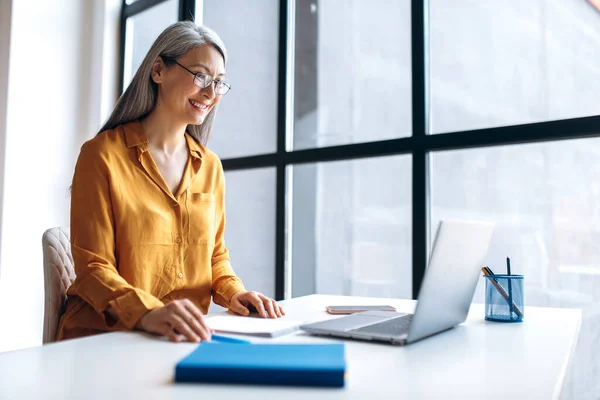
pixel 59 274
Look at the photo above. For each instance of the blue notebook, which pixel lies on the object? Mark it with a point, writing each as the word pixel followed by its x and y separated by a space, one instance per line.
pixel 265 364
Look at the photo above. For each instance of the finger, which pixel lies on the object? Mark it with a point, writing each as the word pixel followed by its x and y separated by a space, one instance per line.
pixel 168 331
pixel 281 310
pixel 237 307
pixel 200 325
pixel 276 308
pixel 194 318
pixel 268 305
pixel 183 328
pixel 191 307
pixel 173 337
pixel 258 304
pixel 180 309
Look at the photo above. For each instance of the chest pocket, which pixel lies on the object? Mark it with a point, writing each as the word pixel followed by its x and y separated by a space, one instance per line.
pixel 201 217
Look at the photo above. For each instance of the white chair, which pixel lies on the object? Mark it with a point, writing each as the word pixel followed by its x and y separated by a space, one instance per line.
pixel 59 274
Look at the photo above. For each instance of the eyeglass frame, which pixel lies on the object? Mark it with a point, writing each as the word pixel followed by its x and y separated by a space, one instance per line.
pixel 212 80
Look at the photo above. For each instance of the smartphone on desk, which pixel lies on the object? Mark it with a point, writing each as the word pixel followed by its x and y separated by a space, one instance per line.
pixel 354 309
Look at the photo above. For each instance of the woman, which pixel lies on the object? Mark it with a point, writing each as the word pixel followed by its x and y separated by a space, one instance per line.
pixel 147 208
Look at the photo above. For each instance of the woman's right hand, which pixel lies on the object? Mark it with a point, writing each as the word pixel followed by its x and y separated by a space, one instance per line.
pixel 180 318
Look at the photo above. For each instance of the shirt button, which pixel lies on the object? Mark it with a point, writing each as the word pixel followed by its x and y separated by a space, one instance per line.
pixel 178 240
pixel 175 205
pixel 180 275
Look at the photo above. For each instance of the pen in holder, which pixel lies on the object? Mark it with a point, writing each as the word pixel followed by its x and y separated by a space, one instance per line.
pixel 504 300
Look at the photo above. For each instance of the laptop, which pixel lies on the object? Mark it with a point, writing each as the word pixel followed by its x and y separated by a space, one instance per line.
pixel 446 293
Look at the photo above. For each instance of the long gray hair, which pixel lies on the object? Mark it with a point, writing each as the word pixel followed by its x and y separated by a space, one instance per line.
pixel 140 97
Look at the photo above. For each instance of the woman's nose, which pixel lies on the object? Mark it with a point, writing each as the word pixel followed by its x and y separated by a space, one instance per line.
pixel 209 91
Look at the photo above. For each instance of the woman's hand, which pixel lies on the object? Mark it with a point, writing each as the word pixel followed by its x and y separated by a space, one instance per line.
pixel 180 317
pixel 241 302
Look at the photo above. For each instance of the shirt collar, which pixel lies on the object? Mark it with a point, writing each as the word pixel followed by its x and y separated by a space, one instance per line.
pixel 135 136
pixel 195 147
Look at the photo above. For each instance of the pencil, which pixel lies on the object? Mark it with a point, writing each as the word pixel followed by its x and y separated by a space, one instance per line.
pixel 227 339
pixel 487 271
pixel 510 301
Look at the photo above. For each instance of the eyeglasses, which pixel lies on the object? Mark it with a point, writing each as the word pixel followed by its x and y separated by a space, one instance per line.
pixel 203 81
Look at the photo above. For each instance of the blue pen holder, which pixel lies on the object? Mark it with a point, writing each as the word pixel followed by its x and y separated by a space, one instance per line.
pixel 504 300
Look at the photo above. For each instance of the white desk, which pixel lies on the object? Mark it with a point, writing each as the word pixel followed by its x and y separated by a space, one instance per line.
pixel 477 360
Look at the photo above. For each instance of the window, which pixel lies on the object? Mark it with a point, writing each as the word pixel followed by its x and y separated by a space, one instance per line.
pixel 247 120
pixel 545 201
pixel 142 29
pixel 250 227
pixel 337 83
pixel 351 228
pixel 352 72
pixel 512 62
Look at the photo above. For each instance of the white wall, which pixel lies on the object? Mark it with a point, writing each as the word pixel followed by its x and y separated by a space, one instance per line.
pixel 61 81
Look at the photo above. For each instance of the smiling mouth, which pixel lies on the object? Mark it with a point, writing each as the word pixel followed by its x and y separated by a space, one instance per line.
pixel 199 106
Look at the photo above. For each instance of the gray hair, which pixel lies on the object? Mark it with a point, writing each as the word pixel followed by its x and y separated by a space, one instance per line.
pixel 140 96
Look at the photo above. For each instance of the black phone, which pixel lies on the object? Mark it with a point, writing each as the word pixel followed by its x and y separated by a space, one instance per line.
pixel 355 309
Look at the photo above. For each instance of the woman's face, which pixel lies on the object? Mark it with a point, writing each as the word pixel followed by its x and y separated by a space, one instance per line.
pixel 179 95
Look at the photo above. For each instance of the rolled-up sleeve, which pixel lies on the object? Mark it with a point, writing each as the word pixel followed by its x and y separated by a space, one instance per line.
pixel 93 243
pixel 225 282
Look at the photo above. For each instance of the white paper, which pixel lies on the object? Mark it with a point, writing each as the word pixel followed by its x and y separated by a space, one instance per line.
pixel 253 326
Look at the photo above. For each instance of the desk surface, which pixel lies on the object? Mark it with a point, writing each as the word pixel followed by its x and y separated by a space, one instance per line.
pixel 476 360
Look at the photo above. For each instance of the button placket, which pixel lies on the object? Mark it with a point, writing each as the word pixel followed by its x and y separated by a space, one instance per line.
pixel 178 216
pixel 178 238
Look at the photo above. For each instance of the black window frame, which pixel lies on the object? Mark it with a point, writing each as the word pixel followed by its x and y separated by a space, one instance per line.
pixel 420 145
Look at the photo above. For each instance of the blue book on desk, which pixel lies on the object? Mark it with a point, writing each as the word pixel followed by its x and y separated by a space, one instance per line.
pixel 265 364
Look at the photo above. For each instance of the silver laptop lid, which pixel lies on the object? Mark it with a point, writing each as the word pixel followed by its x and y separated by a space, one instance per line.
pixel 449 284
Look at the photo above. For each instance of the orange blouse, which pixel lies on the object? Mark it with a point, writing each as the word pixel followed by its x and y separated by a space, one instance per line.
pixel 136 245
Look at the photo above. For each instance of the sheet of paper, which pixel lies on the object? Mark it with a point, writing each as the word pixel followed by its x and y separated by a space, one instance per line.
pixel 252 325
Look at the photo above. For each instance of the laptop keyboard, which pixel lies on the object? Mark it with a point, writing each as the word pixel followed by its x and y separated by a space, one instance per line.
pixel 395 326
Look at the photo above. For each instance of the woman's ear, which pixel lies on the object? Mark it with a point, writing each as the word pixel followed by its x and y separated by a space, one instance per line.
pixel 157 69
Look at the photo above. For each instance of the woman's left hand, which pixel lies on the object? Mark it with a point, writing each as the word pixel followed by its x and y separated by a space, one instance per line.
pixel 241 302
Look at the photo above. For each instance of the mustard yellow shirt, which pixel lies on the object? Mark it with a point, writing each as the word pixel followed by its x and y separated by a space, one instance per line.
pixel 136 245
